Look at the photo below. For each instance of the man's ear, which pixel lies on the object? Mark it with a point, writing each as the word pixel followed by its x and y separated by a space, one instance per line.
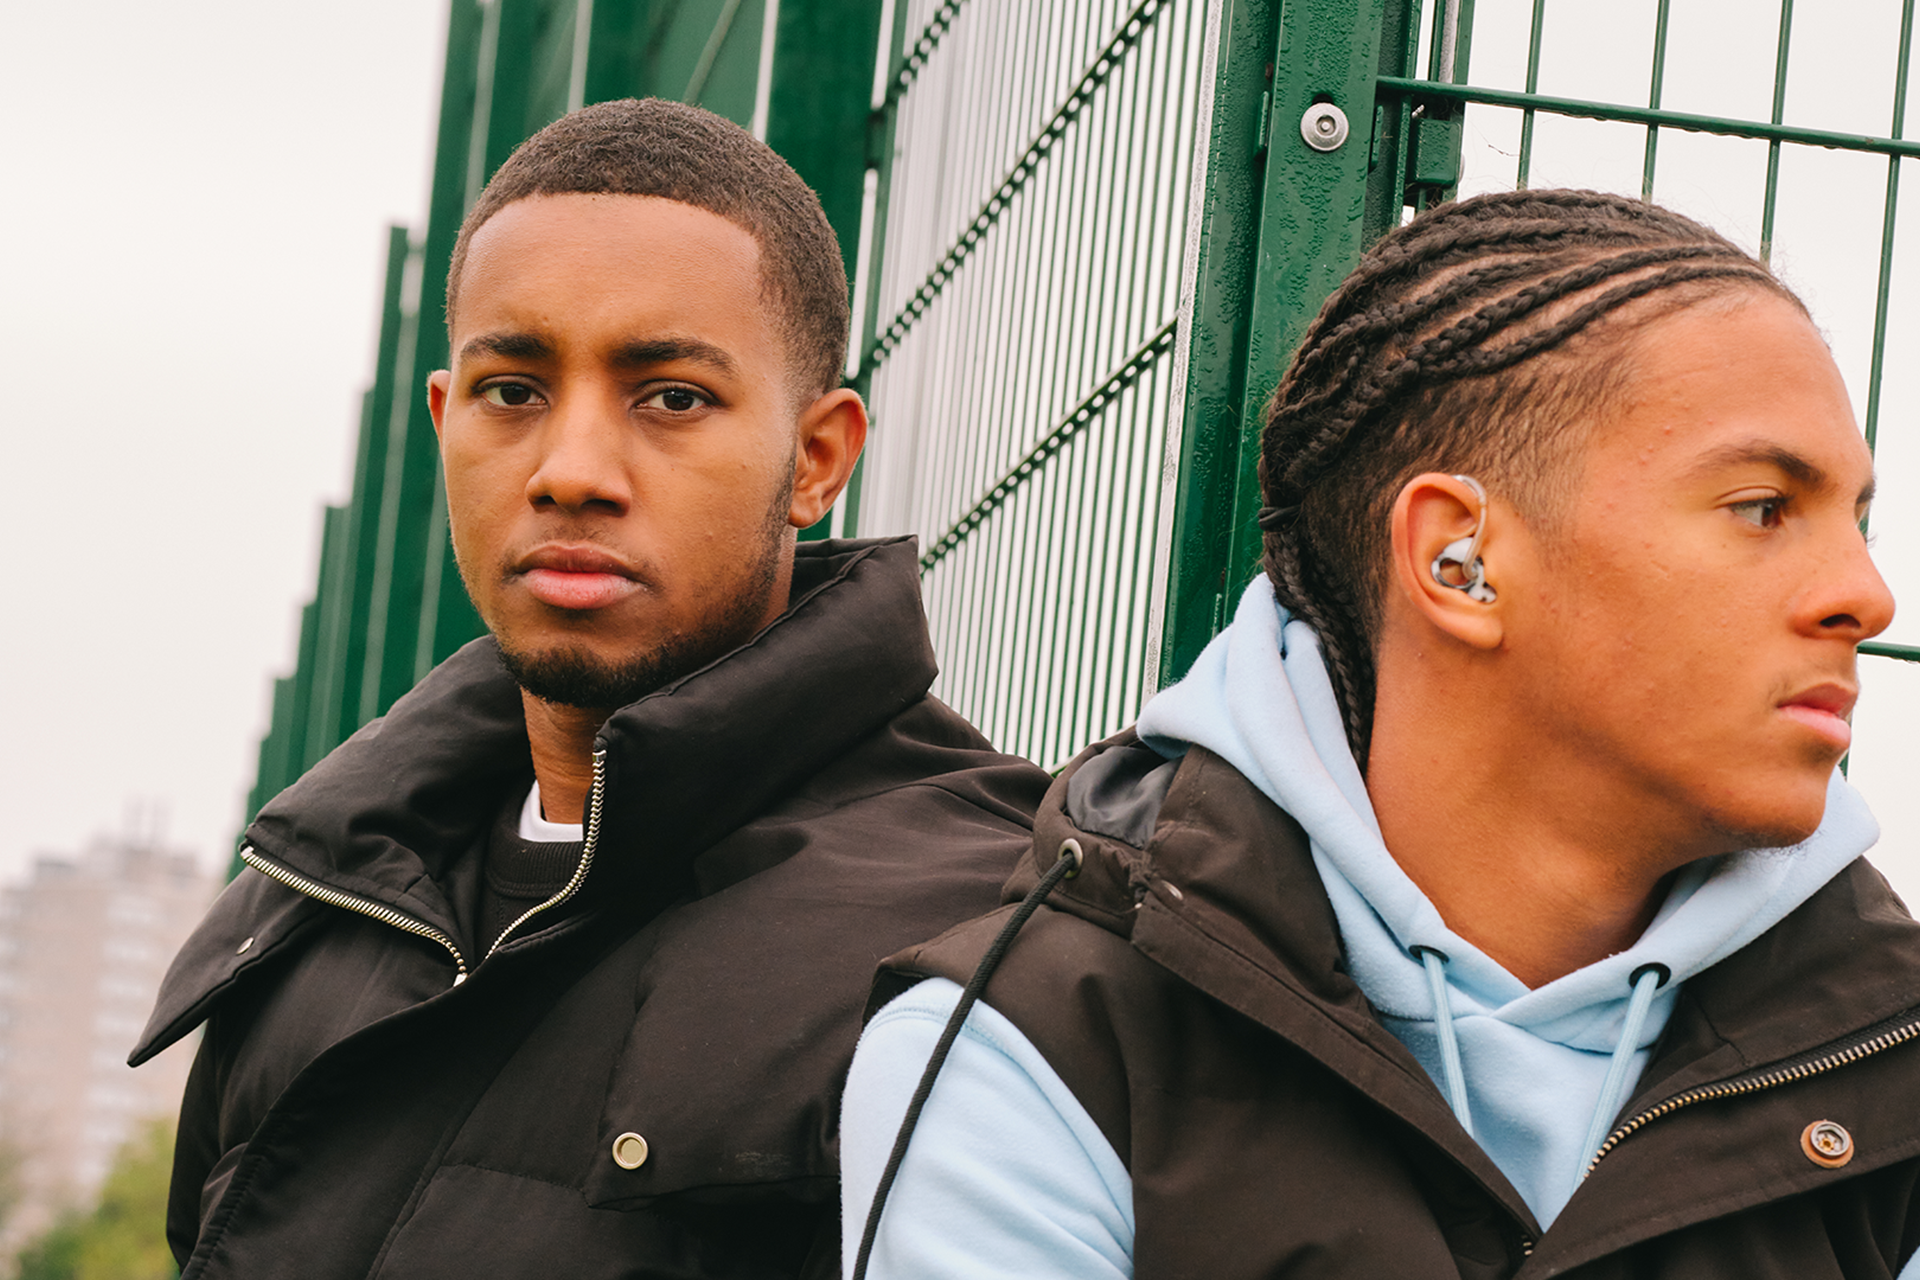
pixel 1433 512
pixel 437 384
pixel 832 431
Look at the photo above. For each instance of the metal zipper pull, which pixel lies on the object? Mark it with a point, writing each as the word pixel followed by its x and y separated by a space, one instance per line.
pixel 590 839
pixel 352 902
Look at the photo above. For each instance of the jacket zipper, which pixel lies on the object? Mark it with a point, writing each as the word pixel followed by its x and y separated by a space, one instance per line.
pixel 1896 1030
pixel 352 902
pixel 408 924
pixel 596 799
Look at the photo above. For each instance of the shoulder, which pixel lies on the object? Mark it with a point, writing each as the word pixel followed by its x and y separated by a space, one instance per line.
pixel 1005 1173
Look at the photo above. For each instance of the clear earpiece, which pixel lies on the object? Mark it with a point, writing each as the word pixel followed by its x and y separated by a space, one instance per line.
pixel 1455 554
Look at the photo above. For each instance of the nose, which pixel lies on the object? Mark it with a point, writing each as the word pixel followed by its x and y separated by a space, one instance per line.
pixel 581 464
pixel 1850 598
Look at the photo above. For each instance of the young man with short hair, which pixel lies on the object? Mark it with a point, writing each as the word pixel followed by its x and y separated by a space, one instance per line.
pixel 555 969
pixel 1486 901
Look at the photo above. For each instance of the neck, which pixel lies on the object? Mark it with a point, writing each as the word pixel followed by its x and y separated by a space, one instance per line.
pixel 561 739
pixel 1543 867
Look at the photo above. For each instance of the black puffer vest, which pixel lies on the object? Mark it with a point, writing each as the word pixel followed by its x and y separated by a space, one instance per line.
pixel 644 1084
pixel 1189 986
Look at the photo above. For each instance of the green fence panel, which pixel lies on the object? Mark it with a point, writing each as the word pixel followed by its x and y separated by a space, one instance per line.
pixel 1026 310
pixel 370 476
pixel 1087 235
pixel 401 553
pixel 332 607
pixel 1519 99
pixel 388 602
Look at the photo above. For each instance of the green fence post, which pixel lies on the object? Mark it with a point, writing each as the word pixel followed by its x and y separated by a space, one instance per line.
pixel 819 99
pixel 412 454
pixel 1283 221
pixel 523 70
pixel 324 668
pixel 302 698
pixel 1197 578
pixel 369 480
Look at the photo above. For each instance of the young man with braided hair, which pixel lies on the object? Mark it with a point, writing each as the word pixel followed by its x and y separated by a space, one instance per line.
pixel 1486 901
pixel 556 969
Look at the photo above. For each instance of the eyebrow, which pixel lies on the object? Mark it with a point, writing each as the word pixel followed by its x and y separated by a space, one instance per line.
pixel 642 353
pixel 667 350
pixel 511 346
pixel 1803 470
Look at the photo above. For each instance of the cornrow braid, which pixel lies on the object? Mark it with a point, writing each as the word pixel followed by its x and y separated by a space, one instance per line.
pixel 1467 340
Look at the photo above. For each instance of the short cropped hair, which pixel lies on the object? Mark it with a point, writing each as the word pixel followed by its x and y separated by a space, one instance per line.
pixel 1484 337
pixel 651 147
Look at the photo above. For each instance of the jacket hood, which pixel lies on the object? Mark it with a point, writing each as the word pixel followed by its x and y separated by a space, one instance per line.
pixel 1535 1062
pixel 388 811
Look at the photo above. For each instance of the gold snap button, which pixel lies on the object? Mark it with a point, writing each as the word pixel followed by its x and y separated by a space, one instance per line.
pixel 1826 1144
pixel 242 948
pixel 629 1151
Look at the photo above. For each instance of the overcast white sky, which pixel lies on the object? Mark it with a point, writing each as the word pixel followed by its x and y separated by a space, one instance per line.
pixel 194 213
pixel 193 217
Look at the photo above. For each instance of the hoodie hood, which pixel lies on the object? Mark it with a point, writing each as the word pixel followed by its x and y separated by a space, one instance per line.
pixel 1534 1060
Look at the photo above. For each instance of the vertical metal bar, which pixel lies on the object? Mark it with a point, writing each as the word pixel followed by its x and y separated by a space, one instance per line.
pixel 722 27
pixel 412 456
pixel 1446 41
pixel 1887 228
pixel 484 63
pixel 302 700
pixel 1311 225
pixel 370 470
pixel 763 78
pixel 331 607
pixel 1202 459
pixel 1654 91
pixel 1525 166
pixel 1779 113
pixel 582 43
pixel 879 161
pixel 277 767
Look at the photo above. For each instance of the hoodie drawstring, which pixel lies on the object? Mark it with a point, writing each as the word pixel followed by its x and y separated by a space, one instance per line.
pixel 1456 1076
pixel 1647 979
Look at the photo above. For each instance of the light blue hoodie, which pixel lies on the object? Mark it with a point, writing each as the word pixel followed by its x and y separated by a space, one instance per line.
pixel 1534 1060
pixel 1008 1175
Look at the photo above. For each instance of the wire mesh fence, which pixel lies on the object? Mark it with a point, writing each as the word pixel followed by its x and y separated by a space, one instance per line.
pixel 1093 231
pixel 1782 126
pixel 1025 310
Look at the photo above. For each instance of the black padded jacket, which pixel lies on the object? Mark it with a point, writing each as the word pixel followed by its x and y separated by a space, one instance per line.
pixel 642 1081
pixel 1188 985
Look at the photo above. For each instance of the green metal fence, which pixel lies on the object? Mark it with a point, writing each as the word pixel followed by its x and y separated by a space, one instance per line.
pixel 1021 369
pixel 1088 233
pixel 388 603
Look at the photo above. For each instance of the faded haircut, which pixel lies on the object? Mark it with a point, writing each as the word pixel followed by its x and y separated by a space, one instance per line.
pixel 651 147
pixel 1489 337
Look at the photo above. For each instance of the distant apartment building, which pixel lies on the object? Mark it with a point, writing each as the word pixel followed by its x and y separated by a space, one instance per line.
pixel 84 942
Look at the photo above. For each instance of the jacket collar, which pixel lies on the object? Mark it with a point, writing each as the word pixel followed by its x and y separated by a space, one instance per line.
pixel 1214 883
pixel 685 764
pixel 385 815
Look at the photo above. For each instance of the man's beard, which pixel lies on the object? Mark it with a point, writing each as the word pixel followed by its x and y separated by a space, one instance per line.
pixel 577 678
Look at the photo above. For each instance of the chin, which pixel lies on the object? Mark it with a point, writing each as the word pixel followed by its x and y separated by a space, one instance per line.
pixel 1785 819
pixel 576 677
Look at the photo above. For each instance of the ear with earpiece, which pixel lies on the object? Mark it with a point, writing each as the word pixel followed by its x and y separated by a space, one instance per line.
pixel 1445 534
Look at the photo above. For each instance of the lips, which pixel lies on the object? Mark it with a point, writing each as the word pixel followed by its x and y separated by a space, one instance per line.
pixel 1824 709
pixel 576 577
